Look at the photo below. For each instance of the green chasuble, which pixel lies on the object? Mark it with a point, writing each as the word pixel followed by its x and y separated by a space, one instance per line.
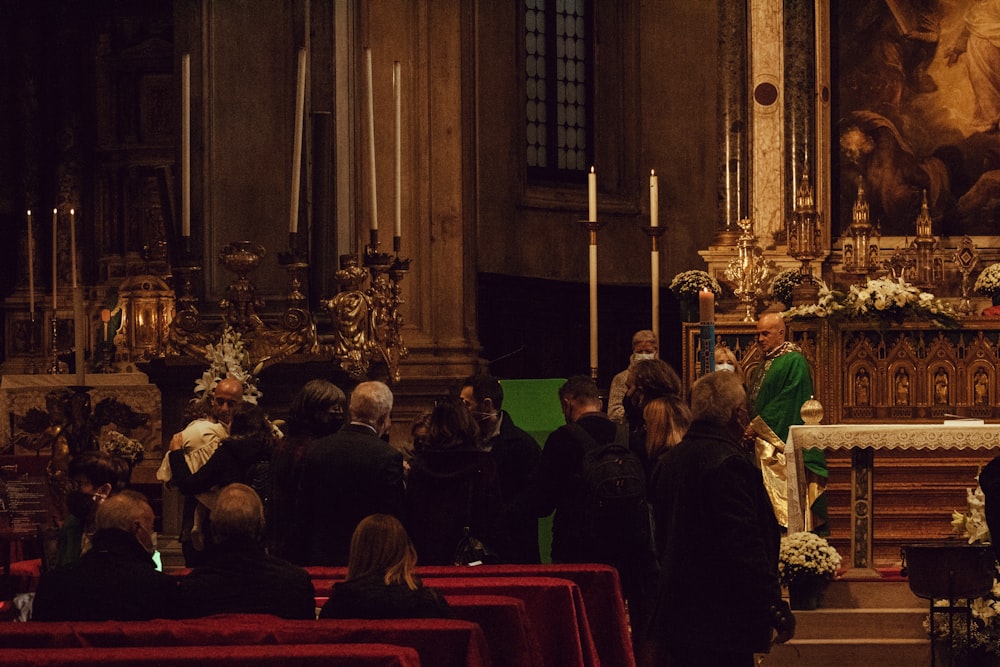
pixel 785 387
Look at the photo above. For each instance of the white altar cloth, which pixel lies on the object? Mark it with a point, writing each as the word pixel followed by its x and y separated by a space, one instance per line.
pixel 952 435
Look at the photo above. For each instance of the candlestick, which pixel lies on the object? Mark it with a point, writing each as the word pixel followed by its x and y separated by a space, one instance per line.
pixel 79 336
pixel 706 307
pixel 300 105
pixel 31 270
pixel 186 145
pixel 654 272
pixel 592 195
pixel 55 261
pixel 593 306
pixel 654 199
pixel 105 318
pixel 396 98
pixel 371 138
pixel 72 246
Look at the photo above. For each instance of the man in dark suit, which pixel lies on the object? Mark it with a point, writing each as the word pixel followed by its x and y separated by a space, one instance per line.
pixel 345 477
pixel 116 579
pixel 719 600
pixel 516 454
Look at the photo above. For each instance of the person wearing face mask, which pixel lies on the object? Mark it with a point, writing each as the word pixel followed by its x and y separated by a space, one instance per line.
pixel 516 454
pixel 117 578
pixel 644 347
pixel 717 539
pixel 93 476
pixel 725 360
pixel 345 477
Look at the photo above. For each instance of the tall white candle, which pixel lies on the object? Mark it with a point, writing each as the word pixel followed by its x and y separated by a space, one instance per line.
pixel 654 271
pixel 593 305
pixel 371 138
pixel 31 268
pixel 55 261
pixel 592 195
pixel 396 99
pixel 654 199
pixel 300 106
pixel 186 145
pixel 72 246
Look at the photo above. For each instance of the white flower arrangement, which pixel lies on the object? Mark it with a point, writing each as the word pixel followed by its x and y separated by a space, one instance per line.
pixel 783 284
pixel 687 284
pixel 804 555
pixel 120 445
pixel 988 282
pixel 882 300
pixel 229 359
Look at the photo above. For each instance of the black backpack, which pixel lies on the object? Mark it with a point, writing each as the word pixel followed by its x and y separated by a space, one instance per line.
pixel 613 487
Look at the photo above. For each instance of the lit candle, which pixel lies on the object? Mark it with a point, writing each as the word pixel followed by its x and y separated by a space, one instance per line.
pixel 371 138
pixel 300 105
pixel 706 305
pixel 72 246
pixel 55 261
pixel 654 199
pixel 396 99
pixel 186 145
pixel 592 195
pixel 31 269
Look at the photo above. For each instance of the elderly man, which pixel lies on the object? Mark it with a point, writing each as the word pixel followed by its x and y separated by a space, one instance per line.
pixel 718 541
pixel 778 388
pixel 345 477
pixel 239 577
pixel 644 346
pixel 204 435
pixel 116 579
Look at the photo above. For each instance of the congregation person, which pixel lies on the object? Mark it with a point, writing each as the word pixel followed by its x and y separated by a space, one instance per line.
pixel 648 379
pixel 247 444
pixel 516 454
pixel 317 410
pixel 581 531
pixel 217 408
pixel 94 476
pixel 718 600
pixel 381 579
pixel 778 388
pixel 453 484
pixel 667 419
pixel 345 477
pixel 725 360
pixel 116 579
pixel 238 576
pixel 645 346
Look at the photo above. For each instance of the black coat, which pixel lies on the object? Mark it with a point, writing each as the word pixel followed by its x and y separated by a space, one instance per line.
pixel 344 478
pixel 230 463
pixel 370 597
pixel 447 490
pixel 240 578
pixel 516 454
pixel 115 580
pixel 718 542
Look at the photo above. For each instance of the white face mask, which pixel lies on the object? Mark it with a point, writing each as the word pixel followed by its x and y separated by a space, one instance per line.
pixel 725 366
pixel 644 356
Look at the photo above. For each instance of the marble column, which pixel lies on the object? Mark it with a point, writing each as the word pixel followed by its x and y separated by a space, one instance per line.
pixel 734 188
pixel 799 95
pixel 767 86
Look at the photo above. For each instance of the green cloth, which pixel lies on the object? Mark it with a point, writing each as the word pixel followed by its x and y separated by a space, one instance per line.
pixel 787 384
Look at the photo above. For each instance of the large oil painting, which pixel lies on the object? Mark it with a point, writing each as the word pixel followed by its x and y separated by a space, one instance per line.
pixel 917 103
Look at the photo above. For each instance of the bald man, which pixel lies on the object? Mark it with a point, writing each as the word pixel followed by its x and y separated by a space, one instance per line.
pixel 778 388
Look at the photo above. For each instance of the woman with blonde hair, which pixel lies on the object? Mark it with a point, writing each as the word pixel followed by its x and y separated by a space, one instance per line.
pixel 667 419
pixel 381 582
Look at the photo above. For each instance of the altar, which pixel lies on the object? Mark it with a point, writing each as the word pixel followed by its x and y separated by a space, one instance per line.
pixel 862 440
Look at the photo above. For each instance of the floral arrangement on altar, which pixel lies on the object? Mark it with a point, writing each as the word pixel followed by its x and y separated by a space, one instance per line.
pixel 687 284
pixel 783 284
pixel 229 359
pixel 120 445
pixel 881 300
pixel 988 282
pixel 805 555
pixel 984 635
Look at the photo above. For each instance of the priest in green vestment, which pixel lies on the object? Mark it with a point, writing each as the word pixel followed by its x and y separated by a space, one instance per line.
pixel 778 388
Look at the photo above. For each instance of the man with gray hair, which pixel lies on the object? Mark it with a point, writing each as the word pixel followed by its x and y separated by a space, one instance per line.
pixel 717 539
pixel 345 477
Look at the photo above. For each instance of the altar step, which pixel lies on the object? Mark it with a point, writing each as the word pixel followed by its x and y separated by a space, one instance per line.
pixel 859 622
